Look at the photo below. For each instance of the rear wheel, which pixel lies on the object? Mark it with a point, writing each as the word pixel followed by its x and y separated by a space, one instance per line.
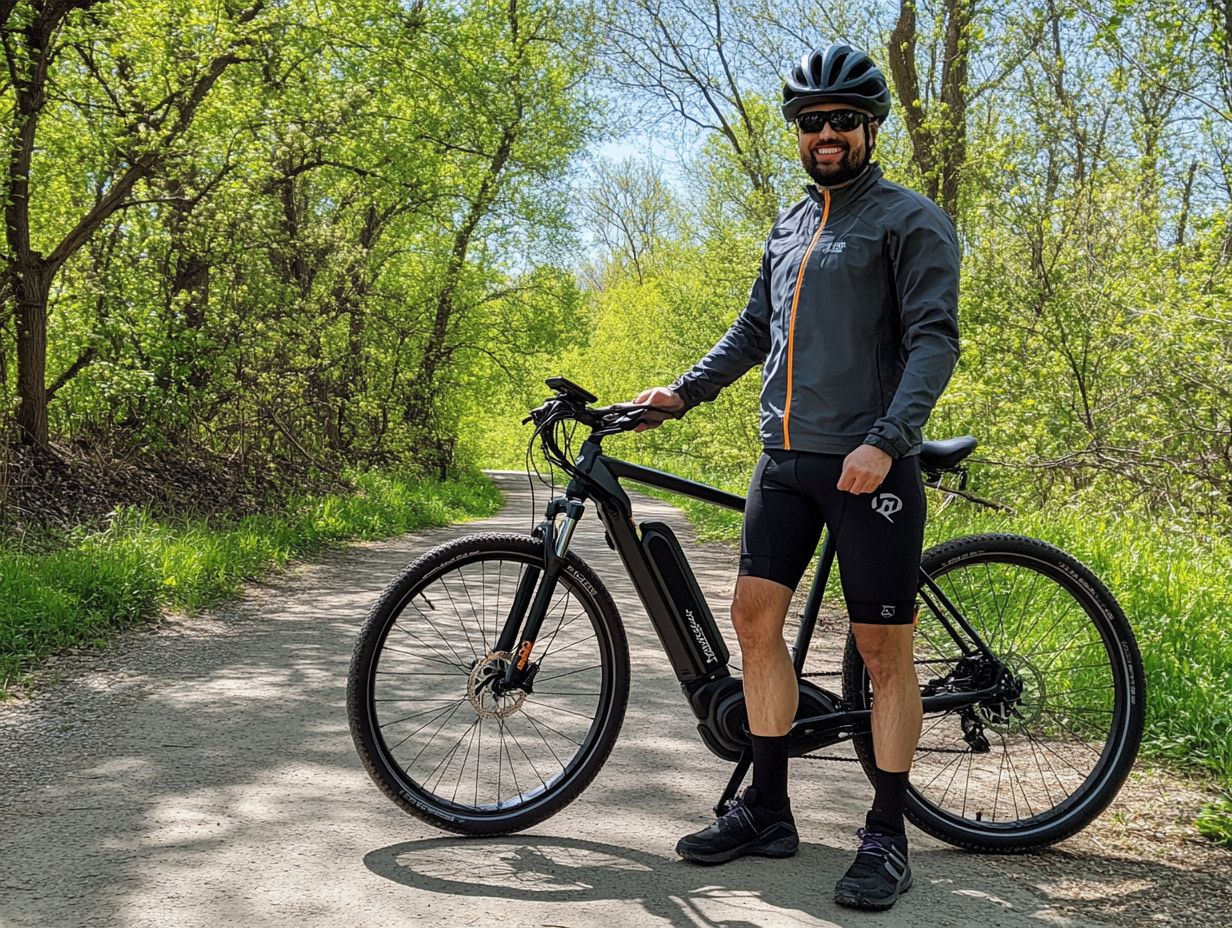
pixel 427 712
pixel 1033 767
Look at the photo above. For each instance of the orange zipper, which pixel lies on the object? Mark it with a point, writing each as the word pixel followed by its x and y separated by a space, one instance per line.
pixel 795 301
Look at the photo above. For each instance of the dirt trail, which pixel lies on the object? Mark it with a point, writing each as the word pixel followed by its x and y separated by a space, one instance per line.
pixel 203 773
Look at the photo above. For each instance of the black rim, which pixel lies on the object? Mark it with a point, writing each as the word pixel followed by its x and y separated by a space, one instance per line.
pixel 1030 762
pixel 441 748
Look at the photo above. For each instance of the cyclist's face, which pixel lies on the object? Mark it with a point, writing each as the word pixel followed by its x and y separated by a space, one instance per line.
pixel 830 157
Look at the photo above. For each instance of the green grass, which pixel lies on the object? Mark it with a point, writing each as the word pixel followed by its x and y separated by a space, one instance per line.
pixel 94 582
pixel 1170 579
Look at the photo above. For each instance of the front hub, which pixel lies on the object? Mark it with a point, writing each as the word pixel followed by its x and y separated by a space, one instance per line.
pixel 484 690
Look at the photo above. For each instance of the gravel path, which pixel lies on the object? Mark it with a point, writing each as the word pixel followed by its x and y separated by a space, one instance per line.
pixel 202 773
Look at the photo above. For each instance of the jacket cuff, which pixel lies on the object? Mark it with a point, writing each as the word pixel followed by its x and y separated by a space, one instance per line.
pixel 682 388
pixel 884 444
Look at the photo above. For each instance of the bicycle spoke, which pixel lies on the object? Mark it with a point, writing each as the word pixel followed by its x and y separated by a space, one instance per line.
pixel 569 673
pixel 414 715
pixel 530 762
pixel 1024 634
pixel 434 734
pixel 545 741
pixel 530 718
pixel 547 649
pixel 440 654
pixel 556 708
pixel 466 589
pixel 1039 767
pixel 504 747
pixel 423 657
pixel 449 756
pixel 456 659
pixel 1016 777
pixel 478 758
pixel 457 612
pixel 590 637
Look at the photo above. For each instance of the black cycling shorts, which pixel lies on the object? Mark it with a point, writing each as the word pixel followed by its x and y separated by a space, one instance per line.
pixel 879 536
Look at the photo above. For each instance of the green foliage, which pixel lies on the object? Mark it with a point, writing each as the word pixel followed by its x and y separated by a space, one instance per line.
pixel 1215 821
pixel 101 581
pixel 309 268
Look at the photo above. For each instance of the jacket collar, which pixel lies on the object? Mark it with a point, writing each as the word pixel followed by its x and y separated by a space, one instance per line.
pixel 840 196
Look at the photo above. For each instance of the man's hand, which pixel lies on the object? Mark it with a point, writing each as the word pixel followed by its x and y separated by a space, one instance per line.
pixel 864 469
pixel 657 396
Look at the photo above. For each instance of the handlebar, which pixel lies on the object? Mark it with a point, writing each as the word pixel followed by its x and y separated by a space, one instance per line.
pixel 602 420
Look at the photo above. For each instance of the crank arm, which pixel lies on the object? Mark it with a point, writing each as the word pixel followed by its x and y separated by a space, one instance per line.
pixel 858 720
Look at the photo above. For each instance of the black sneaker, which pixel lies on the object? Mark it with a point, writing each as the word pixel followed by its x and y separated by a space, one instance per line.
pixel 880 874
pixel 743 829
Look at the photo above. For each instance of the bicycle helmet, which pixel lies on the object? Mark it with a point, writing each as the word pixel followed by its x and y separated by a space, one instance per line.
pixel 837 74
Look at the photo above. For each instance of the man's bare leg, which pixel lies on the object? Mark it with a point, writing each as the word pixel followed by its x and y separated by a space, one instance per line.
pixel 762 823
pixel 897 716
pixel 771 692
pixel 897 710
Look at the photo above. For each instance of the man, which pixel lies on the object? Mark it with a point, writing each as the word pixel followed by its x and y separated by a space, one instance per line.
pixel 854 317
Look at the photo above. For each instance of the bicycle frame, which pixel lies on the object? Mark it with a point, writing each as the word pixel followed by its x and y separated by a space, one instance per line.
pixel 597 476
pixel 716 698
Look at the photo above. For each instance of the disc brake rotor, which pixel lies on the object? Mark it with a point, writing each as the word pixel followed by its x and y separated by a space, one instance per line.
pixel 479 694
pixel 1023 705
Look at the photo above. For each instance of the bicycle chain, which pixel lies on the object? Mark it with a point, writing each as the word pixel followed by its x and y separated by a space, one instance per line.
pixel 856 760
pixel 842 760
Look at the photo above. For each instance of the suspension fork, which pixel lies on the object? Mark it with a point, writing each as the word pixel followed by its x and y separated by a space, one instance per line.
pixel 536 587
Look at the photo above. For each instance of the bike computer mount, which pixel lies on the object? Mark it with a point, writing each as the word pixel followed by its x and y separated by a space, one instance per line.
pixel 568 388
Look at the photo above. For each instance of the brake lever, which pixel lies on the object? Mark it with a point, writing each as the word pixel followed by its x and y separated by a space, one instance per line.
pixel 536 414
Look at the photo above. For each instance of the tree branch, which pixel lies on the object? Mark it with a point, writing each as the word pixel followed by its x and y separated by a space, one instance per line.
pixel 84 359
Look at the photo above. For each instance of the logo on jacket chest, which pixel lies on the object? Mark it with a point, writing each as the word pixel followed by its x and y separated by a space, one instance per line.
pixel 828 244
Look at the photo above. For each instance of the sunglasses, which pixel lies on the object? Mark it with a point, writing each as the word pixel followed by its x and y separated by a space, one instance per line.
pixel 840 120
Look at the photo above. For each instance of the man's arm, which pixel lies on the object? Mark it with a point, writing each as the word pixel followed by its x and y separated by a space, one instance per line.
pixel 746 343
pixel 925 262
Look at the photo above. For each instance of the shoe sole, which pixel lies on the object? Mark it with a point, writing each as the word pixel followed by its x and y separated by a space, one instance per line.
pixel 783 847
pixel 857 901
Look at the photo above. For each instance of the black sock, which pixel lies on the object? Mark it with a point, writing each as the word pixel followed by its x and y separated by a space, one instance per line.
pixel 770 771
pixel 890 795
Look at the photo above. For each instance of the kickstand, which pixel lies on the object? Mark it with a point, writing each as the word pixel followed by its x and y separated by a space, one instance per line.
pixel 737 777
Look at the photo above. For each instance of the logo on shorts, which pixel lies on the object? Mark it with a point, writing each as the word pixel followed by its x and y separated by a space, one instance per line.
pixel 887 504
pixel 887 612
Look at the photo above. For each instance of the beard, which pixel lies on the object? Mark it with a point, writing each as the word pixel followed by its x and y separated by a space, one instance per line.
pixel 849 167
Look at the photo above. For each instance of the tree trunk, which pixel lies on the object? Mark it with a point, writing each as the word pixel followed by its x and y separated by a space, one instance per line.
pixel 938 145
pixel 33 288
pixel 28 53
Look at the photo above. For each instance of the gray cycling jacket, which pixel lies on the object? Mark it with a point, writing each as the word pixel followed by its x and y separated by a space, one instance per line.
pixel 855 317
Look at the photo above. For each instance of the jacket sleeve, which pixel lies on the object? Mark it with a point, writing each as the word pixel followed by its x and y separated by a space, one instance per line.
pixel 746 343
pixel 925 260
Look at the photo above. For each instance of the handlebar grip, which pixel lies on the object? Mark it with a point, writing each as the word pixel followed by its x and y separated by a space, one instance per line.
pixel 638 413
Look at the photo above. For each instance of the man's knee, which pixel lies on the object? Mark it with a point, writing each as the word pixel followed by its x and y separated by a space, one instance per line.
pixel 758 609
pixel 886 650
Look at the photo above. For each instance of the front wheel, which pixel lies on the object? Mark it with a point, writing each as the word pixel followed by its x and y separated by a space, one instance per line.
pixel 429 717
pixel 1032 768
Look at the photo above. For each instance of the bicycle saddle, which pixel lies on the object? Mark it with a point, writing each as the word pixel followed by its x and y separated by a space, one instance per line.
pixel 938 455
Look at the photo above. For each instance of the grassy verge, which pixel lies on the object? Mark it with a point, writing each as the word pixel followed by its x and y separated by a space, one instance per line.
pixel 91 583
pixel 1172 584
